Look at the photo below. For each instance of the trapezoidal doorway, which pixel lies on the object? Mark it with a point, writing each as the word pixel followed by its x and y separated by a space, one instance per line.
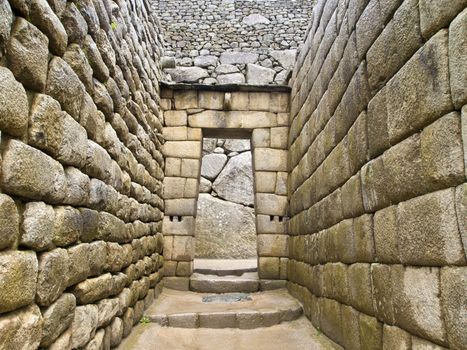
pixel 259 116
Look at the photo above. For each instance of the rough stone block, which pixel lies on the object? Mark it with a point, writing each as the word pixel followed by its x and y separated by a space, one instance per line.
pixel 457 50
pixel 331 319
pixel 175 118
pixel 13 104
pixel 417 306
pixel 76 59
pixel 18 273
pixel 51 280
pixel 57 318
pixel 360 288
pixel 271 204
pixel 9 222
pixel 425 104
pixel 386 235
pixel 401 37
pixel 21 329
pixel 186 99
pixel 435 15
pixel 80 263
pixel 100 70
pixel 94 289
pixel 73 145
pixel 272 245
pixel 269 268
pixel 453 284
pixel 395 338
pixel 267 159
pixel 371 332
pixel 352 200
pixel 68 226
pixel 430 221
pixel 376 194
pixel 64 85
pixel 363 238
pixel 377 124
pixel 77 184
pixel 74 24
pixel 383 292
pixel 27 55
pixel 442 154
pixel 90 219
pixel 84 325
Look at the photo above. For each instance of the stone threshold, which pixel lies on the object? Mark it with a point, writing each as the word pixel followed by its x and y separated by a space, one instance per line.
pixel 225 267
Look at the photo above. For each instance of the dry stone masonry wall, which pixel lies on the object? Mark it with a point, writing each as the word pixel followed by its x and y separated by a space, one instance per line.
pixel 225 222
pixel 81 171
pixel 233 41
pixel 190 114
pixel 377 155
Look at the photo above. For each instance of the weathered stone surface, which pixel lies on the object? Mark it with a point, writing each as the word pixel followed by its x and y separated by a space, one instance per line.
pixel 437 15
pixel 84 325
pixel 235 182
pixel 270 159
pixel 13 104
pixel 27 55
pixel 51 283
pixel 98 342
pixel 205 61
pixel 57 318
pixel 21 329
pixel 77 60
pixel 77 185
pixel 9 221
pixel 222 235
pixel 93 289
pixel 6 20
pixel 47 21
pixel 108 309
pixel 457 50
pixel 68 226
pixel 74 24
pixel 226 69
pixel 64 85
pixel 285 57
pixel 453 282
pixel 417 307
pixel 80 260
pixel 258 75
pixel 187 74
pixel 212 165
pixel 37 226
pixel 273 245
pixel 231 78
pixel 205 185
pixel 18 273
pixel 116 329
pixel 238 57
pixel 430 220
pixel 271 204
pixel 395 338
pixel 234 145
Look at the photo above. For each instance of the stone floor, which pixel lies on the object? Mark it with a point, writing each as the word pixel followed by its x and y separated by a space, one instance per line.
pixel 295 335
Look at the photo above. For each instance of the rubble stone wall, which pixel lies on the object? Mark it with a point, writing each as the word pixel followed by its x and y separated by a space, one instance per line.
pixel 81 171
pixel 233 41
pixel 377 160
pixel 188 116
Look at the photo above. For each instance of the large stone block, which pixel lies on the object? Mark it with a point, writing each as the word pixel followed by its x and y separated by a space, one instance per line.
pixel 68 226
pixel 266 159
pixel 273 245
pixel 80 263
pixel 420 92
pixel 371 332
pixel 73 146
pixel 18 273
pixel 430 222
pixel 37 226
pixel 435 15
pixel 98 66
pixel 350 328
pixel 442 154
pixel 360 287
pixel 269 268
pixel 363 239
pixel 212 164
pixel 383 293
pixel 111 228
pixel 401 38
pixel 52 277
pixel 271 204
pixel 64 85
pixel 84 325
pixel 175 118
pixel 386 235
pixel 377 124
pixel 182 149
pixel 331 319
pixel 453 284
pixel 13 104
pixel 180 207
pixel 395 338
pixel 264 224
pixel 457 50
pixel 21 329
pixel 57 318
pixel 417 306
pixel 74 24
pixel 186 99
pixel 93 289
pixel 211 100
pixel 232 119
pixel 27 55
pixel 47 21
pixel 184 227
pixel 9 221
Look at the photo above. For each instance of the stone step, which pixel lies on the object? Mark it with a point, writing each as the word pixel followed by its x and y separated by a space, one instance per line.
pixel 247 283
pixel 225 267
pixel 232 310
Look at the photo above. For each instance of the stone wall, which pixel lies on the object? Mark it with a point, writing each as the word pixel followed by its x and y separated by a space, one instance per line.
pixel 188 116
pixel 377 185
pixel 225 222
pixel 81 171
pixel 233 41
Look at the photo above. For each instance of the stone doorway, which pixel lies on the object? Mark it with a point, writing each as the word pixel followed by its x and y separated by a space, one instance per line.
pixel 192 113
